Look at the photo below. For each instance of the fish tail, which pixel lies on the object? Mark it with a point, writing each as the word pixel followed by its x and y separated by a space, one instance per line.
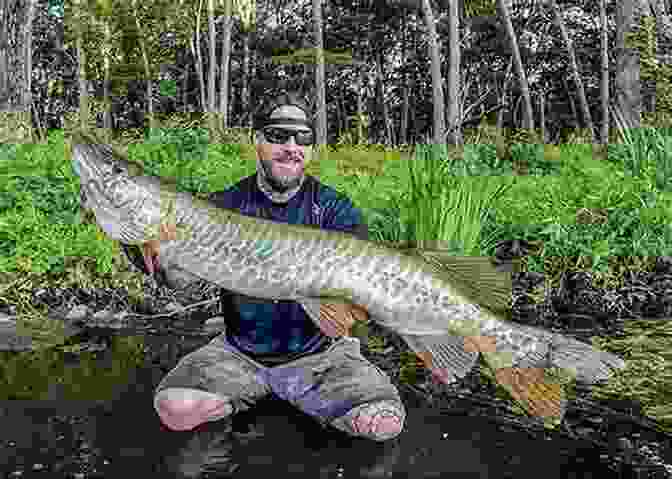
pixel 529 378
pixel 447 357
pixel 523 368
pixel 450 358
pixel 539 394
pixel 587 364
pixel 524 375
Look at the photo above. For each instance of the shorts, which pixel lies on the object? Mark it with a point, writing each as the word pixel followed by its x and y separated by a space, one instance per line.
pixel 325 385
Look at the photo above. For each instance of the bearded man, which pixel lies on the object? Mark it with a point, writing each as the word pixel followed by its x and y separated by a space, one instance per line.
pixel 273 346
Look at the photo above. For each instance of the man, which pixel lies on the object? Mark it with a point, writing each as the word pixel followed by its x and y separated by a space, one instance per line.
pixel 273 346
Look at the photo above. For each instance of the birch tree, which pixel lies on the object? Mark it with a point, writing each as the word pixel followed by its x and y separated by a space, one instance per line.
pixel 16 32
pixel 574 68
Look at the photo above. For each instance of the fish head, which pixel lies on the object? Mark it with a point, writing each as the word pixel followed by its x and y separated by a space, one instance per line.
pixel 125 205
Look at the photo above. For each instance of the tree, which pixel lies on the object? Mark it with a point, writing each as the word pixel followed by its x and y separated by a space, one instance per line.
pixel 454 113
pixel 604 55
pixel 212 122
pixel 574 68
pixel 627 110
pixel 528 115
pixel 321 110
pixel 16 28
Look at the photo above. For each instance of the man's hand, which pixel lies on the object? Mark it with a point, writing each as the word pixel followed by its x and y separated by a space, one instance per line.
pixel 336 319
pixel 150 249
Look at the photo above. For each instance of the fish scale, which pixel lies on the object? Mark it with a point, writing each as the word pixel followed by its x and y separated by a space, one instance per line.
pixel 449 310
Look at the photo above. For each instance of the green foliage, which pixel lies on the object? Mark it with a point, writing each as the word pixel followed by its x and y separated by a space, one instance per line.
pixel 357 135
pixel 644 40
pixel 535 208
pixel 647 378
pixel 476 8
pixel 410 367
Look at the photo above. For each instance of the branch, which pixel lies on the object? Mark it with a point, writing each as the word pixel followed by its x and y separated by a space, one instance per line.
pixel 475 120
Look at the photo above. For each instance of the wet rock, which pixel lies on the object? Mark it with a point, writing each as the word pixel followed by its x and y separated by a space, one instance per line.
pixel 78 313
pixel 215 325
pixel 578 321
pixel 663 264
pixel 10 338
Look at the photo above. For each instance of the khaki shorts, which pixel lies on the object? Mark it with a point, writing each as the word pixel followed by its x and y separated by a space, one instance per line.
pixel 325 385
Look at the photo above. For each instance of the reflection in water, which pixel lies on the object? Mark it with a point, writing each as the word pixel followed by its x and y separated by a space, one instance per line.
pixel 272 439
pixel 123 437
pixel 208 451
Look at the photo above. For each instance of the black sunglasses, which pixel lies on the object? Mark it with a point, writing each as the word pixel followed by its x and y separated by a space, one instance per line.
pixel 282 135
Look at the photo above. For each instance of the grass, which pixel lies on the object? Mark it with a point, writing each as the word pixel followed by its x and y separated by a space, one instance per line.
pixel 602 215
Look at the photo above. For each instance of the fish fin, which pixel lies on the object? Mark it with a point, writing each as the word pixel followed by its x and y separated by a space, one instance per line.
pixel 587 364
pixel 535 391
pixel 452 357
pixel 445 355
pixel 332 318
pixel 529 385
pixel 475 278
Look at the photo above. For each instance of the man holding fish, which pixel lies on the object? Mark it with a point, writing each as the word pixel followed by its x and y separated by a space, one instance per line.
pixel 298 288
pixel 273 346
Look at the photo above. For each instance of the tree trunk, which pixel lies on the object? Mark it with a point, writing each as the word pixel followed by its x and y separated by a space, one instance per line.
pixel 338 104
pixel 439 124
pixel 518 114
pixel 360 109
pixel 185 79
pixel 27 33
pixel 320 83
pixel 145 62
pixel 16 30
pixel 604 54
pixel 504 96
pixel 344 118
pixel 83 83
pixel 225 63
pixel 454 136
pixel 7 31
pixel 28 60
pixel 212 99
pixel 528 115
pixel 196 52
pixel 245 93
pixel 403 130
pixel 542 117
pixel 572 103
pixel 585 110
pixel 383 134
pixel 627 94
pixel 107 113
pixel 405 114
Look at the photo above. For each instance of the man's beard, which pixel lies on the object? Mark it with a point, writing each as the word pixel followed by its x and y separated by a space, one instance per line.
pixel 279 183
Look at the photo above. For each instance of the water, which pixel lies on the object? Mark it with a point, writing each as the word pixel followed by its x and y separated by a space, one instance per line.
pixel 120 434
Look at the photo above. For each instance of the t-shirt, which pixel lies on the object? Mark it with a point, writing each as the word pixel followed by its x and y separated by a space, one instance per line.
pixel 274 332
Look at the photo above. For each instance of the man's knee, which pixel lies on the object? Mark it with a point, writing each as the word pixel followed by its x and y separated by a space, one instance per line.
pixel 380 421
pixel 184 409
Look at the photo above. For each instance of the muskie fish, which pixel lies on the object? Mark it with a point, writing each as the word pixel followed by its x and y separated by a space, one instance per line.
pixel 449 310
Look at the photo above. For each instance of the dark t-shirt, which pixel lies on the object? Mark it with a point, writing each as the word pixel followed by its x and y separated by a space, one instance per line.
pixel 273 332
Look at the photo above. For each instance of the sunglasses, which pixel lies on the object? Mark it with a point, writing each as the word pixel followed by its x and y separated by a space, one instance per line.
pixel 282 135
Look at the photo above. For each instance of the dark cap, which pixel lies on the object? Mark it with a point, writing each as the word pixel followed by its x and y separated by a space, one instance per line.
pixel 263 116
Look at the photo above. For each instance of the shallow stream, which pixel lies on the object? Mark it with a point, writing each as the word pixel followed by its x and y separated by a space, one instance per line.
pixel 120 435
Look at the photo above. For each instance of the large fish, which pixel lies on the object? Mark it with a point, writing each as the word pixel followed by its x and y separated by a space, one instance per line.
pixel 448 309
